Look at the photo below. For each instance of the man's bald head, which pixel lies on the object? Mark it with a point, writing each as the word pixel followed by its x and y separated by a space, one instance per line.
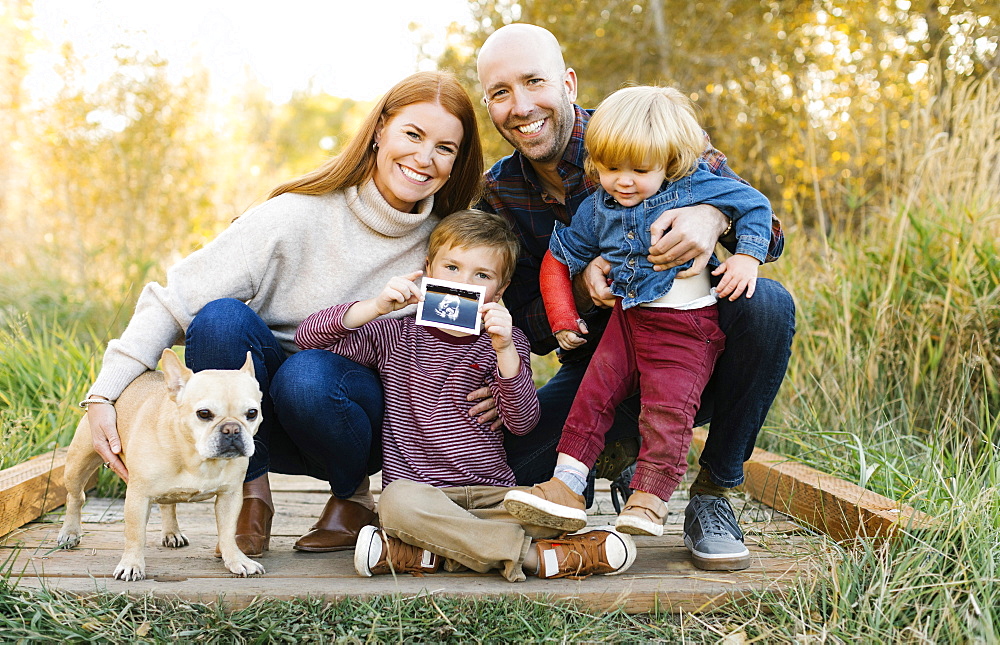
pixel 529 91
pixel 522 37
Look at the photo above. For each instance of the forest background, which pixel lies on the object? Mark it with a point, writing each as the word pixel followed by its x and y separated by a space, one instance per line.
pixel 874 128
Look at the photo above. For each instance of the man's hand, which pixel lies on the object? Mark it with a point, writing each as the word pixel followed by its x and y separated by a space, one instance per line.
pixel 486 408
pixel 684 234
pixel 590 288
pixel 103 423
pixel 740 273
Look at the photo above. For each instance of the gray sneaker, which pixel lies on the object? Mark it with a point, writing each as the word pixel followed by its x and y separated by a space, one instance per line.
pixel 713 536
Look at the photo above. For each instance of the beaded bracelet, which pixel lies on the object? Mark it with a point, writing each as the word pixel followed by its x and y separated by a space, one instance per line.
pixel 728 228
pixel 84 403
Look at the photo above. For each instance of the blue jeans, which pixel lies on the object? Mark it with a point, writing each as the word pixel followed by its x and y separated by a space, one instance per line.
pixel 322 413
pixel 746 379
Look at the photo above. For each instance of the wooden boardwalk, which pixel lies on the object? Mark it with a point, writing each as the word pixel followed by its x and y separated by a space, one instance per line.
pixel 662 579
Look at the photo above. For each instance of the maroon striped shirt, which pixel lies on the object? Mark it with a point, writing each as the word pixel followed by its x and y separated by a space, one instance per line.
pixel 427 434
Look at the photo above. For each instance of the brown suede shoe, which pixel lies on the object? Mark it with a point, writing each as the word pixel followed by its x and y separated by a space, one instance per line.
pixel 643 515
pixel 337 528
pixel 550 504
pixel 253 528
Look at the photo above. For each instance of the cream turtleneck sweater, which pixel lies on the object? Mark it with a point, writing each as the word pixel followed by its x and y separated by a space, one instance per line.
pixel 287 258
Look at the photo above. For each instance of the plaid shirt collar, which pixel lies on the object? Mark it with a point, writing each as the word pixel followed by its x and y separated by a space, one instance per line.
pixel 571 164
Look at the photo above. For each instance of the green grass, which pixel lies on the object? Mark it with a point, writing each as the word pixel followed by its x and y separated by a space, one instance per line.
pixel 44 616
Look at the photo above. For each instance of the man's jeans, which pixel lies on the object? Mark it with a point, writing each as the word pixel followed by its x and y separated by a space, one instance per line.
pixel 322 412
pixel 759 333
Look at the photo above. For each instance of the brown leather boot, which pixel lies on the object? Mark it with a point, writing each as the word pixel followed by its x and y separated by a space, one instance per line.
pixel 337 528
pixel 253 528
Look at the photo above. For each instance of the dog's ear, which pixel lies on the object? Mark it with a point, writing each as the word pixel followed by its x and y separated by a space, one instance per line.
pixel 248 366
pixel 176 373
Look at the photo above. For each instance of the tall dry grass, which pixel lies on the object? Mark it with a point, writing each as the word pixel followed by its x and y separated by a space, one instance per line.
pixel 898 344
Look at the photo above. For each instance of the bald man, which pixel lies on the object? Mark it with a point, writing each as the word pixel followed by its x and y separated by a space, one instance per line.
pixel 530 95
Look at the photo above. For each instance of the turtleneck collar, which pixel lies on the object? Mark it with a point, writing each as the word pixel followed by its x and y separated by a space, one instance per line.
pixel 371 208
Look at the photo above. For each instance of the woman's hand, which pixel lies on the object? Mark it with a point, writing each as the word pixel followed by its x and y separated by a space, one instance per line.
pixel 103 421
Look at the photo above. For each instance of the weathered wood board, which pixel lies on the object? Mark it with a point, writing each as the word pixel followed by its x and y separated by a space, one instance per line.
pixel 32 488
pixel 661 580
pixel 838 508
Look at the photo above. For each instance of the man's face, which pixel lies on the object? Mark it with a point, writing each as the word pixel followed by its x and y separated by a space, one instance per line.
pixel 530 102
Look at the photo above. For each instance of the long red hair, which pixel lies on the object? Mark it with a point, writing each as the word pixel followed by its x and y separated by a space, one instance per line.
pixel 356 163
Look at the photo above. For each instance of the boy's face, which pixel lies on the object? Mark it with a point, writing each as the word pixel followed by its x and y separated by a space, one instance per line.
pixel 478 265
pixel 631 184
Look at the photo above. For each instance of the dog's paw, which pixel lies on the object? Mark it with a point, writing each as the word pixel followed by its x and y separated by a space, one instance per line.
pixel 68 540
pixel 174 540
pixel 244 567
pixel 129 571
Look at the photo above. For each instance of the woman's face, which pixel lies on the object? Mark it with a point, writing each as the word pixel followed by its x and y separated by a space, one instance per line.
pixel 416 151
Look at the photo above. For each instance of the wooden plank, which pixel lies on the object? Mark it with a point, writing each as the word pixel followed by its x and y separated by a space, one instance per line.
pixel 32 488
pixel 662 579
pixel 594 594
pixel 838 508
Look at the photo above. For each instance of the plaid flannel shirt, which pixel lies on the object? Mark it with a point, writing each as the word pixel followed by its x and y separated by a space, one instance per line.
pixel 512 188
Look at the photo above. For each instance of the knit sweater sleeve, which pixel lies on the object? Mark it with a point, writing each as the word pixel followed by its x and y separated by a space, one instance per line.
pixel 220 269
pixel 325 330
pixel 517 401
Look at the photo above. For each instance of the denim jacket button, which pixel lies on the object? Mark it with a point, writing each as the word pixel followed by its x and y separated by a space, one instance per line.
pixel 631 262
pixel 631 294
pixel 630 235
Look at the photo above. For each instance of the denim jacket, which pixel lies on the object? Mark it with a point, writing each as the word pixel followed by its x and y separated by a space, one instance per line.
pixel 603 227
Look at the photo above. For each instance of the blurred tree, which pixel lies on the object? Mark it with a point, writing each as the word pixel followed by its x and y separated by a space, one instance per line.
pixel 311 126
pixel 123 174
pixel 15 42
pixel 804 97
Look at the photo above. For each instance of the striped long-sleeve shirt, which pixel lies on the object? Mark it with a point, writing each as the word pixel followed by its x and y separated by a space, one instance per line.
pixel 427 433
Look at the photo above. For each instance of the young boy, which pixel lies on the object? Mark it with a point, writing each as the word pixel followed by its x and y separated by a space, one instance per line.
pixel 445 473
pixel 663 338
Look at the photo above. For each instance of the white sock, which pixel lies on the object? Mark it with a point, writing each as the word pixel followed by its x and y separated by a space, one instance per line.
pixel 575 479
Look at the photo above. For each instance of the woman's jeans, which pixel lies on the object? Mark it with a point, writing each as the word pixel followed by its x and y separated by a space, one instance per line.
pixel 746 379
pixel 322 412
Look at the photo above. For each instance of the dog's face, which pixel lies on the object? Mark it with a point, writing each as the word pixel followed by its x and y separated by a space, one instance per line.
pixel 220 408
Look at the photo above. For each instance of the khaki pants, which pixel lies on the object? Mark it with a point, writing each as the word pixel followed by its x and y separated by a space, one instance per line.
pixel 466 525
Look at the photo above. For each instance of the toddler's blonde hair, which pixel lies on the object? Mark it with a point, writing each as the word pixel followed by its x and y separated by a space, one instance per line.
pixel 645 125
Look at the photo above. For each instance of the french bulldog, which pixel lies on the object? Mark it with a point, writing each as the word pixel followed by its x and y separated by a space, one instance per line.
pixel 186 437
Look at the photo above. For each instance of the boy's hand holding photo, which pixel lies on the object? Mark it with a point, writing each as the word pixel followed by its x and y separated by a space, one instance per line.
pixel 399 292
pixel 498 323
pixel 740 273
